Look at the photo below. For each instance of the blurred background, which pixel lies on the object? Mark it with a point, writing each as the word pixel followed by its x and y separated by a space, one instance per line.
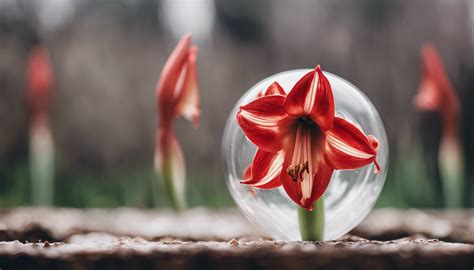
pixel 107 56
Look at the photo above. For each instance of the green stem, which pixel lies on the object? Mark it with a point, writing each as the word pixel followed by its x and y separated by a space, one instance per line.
pixel 42 167
pixel 312 222
pixel 177 199
pixel 178 202
pixel 451 166
pixel 453 188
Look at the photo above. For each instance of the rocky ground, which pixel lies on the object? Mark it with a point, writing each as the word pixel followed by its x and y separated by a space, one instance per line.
pixel 203 239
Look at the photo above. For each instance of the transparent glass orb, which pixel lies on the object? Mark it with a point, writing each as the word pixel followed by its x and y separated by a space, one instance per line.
pixel 351 193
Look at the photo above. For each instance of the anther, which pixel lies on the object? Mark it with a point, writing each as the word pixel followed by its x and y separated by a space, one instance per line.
pixel 291 172
pixel 296 172
pixel 303 169
pixel 297 169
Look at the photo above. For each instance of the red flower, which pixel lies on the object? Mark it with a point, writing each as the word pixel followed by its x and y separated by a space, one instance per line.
pixel 300 140
pixel 177 95
pixel 39 82
pixel 436 92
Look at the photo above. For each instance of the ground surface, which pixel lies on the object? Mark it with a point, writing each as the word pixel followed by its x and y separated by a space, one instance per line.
pixel 203 239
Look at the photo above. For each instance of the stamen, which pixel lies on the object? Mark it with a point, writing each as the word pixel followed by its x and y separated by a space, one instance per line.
pixel 291 172
pixel 296 172
pixel 307 186
pixel 306 157
pixel 299 166
pixel 304 169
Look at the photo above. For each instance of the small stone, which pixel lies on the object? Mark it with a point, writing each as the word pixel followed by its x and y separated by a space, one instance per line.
pixel 234 242
pixel 46 244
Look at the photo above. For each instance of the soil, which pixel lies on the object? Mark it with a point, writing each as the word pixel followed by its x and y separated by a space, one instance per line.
pixel 204 239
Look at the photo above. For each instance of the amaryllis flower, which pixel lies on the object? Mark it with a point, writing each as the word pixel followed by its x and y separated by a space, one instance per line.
pixel 39 82
pixel 300 141
pixel 39 96
pixel 177 95
pixel 436 93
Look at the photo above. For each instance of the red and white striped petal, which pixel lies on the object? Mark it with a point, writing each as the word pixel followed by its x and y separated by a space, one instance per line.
pixel 188 101
pixel 320 183
pixel 248 173
pixel 375 145
pixel 264 122
pixel 319 169
pixel 275 89
pixel 296 190
pixel 312 96
pixel 347 147
pixel 323 109
pixel 292 187
pixel 265 170
pixel 296 98
pixel 305 172
pixel 172 73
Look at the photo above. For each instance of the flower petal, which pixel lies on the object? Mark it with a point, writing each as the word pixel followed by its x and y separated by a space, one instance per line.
pixel 320 182
pixel 265 170
pixel 312 95
pixel 375 145
pixel 307 174
pixel 430 90
pixel 264 122
pixel 166 90
pixel 295 100
pixel 275 89
pixel 374 142
pixel 347 147
pixel 427 99
pixel 188 102
pixel 436 91
pixel 323 109
pixel 248 172
pixel 40 80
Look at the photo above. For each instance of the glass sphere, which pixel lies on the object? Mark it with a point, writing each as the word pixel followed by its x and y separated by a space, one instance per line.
pixel 350 195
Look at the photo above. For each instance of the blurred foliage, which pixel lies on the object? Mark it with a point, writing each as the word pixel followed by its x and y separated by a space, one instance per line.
pixel 406 186
pixel 119 188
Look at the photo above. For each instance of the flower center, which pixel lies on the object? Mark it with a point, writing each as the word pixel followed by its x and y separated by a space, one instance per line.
pixel 307 121
pixel 301 163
